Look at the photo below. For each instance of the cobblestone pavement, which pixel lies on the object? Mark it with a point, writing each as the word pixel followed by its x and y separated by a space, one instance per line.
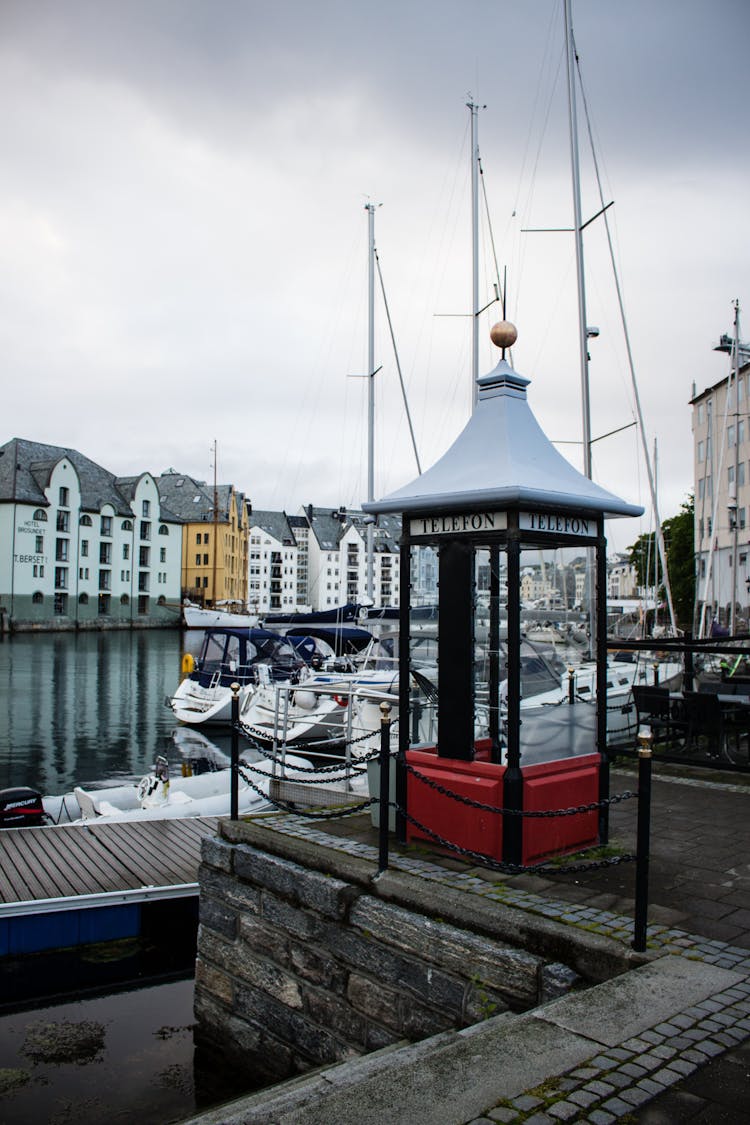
pixel 694 1068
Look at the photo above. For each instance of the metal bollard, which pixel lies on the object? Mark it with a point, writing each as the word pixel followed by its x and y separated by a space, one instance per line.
pixel 571 686
pixel 235 758
pixel 645 753
pixel 385 784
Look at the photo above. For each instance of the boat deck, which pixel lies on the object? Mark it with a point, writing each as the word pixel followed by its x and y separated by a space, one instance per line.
pixel 68 861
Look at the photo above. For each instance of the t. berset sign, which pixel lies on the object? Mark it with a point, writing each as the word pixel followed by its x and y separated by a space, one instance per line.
pixel 555 523
pixel 460 523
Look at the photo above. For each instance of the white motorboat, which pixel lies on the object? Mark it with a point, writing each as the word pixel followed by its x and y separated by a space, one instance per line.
pixel 229 655
pixel 159 796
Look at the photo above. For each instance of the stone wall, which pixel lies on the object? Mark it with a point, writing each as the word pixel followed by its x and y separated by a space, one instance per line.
pixel 298 967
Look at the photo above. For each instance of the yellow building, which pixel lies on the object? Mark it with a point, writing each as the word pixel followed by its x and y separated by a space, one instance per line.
pixel 214 538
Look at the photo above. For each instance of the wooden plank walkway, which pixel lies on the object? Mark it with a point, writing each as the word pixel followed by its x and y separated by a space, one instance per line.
pixel 71 860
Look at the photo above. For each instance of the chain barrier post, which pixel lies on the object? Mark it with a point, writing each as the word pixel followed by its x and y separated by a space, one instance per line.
pixel 645 753
pixel 235 758
pixel 385 785
pixel 571 686
pixel 688 675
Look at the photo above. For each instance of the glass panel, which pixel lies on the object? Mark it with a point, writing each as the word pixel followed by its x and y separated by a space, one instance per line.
pixel 423 645
pixel 557 591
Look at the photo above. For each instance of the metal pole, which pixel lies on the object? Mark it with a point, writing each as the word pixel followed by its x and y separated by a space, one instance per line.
pixel 575 169
pixel 235 758
pixel 385 785
pixel 730 390
pixel 643 845
pixel 474 252
pixel 370 208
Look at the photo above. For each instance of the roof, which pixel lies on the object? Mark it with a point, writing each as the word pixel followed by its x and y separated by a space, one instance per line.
pixel 192 500
pixel 502 459
pixel 275 524
pixel 26 467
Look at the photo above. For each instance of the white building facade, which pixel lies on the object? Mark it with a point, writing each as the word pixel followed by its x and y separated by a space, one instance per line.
pixel 80 548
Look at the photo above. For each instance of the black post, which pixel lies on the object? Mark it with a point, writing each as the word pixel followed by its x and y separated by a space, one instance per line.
pixel 385 785
pixel 235 759
pixel 644 843
pixel 688 676
pixel 404 688
pixel 601 683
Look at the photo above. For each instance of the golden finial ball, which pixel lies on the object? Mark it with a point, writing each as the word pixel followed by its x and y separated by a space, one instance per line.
pixel 503 334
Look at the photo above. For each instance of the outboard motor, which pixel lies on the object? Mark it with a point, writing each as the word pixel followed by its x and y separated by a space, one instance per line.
pixel 21 807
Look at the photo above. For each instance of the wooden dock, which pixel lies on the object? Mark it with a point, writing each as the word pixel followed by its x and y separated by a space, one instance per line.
pixel 76 883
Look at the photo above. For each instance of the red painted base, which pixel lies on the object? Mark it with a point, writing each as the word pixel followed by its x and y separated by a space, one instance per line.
pixel 548 786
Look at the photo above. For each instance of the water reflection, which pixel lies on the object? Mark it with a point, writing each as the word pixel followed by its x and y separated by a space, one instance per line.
pixel 82 708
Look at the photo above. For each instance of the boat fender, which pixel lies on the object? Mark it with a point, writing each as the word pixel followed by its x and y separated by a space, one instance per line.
pixel 341 700
pixel 146 786
pixel 306 700
pixel 188 664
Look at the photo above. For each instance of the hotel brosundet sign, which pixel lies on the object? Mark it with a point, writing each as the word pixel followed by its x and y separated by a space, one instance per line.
pixel 469 523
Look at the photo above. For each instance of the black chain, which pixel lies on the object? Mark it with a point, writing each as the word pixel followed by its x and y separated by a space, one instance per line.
pixel 271 757
pixel 254 733
pixel 519 812
pixel 290 807
pixel 514 868
pixel 299 780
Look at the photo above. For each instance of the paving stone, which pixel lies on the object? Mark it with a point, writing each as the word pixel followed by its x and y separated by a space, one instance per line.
pixel 601 1117
pixel 600 1088
pixel 563 1111
pixel 636 1095
pixel 583 1098
pixel 503 1114
pixel 617 1107
pixel 526 1102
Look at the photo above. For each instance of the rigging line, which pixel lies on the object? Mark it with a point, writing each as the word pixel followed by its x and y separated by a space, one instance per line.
pixel 398 364
pixel 631 364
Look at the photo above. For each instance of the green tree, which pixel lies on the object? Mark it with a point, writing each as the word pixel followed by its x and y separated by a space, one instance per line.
pixel 679 546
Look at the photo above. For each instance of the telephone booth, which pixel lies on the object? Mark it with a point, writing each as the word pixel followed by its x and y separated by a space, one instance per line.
pixel 502 645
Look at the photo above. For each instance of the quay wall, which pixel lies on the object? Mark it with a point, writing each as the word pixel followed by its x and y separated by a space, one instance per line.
pixel 305 959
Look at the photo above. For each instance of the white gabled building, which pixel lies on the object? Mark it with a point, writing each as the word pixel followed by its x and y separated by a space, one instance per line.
pixel 81 548
pixel 272 564
pixel 317 560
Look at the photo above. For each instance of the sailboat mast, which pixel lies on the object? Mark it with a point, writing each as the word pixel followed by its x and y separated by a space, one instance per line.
pixel 370 208
pixel 575 169
pixel 216 527
pixel 474 250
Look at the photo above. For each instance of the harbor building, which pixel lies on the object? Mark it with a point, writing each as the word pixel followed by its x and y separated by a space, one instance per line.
pixel 214 541
pixel 80 547
pixel 318 559
pixel 721 459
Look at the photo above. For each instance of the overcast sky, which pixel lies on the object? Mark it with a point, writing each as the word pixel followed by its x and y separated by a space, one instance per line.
pixel 184 239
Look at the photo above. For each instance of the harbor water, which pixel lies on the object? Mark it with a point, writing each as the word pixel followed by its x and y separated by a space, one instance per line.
pixel 89 708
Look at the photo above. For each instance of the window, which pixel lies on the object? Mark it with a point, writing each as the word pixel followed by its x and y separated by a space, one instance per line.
pixel 39 545
pixel 741 473
pixel 127 525
pixel 144 556
pixel 106 525
pixel 741 518
pixel 162 554
pixel 143 602
pixel 701 451
pixel 84 548
pixel 37 597
pixel 730 436
pixel 63 521
pixel 61 550
pixel 104 604
pixel 161 600
pixel 701 414
pixel 85 521
pixel 40 515
pixel 205 581
pixel 198 537
pixel 124 599
pixel 61 577
pixel 143 577
pixel 105 554
pixel 205 537
pixel 740 431
pixel 205 560
pixel 60 607
pixel 64 498
pixel 146 508
pixel 105 579
pixel 126 550
pixel 740 389
pixel 163 529
pixel 730 475
pixel 83 599
pixel 145 529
